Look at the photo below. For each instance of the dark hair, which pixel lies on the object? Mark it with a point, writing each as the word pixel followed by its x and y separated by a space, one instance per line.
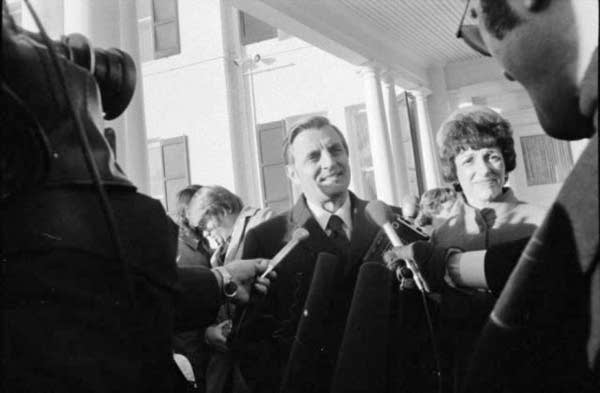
pixel 183 200
pixel 499 17
pixel 314 122
pixel 474 127
pixel 213 202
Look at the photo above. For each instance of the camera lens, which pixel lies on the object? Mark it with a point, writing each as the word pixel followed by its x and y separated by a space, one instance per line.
pixel 113 69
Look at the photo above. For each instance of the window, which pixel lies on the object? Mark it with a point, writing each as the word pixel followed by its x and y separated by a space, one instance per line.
pixel 158 26
pixel 169 169
pixel 254 30
pixel 166 28
pixel 547 160
pixel 276 186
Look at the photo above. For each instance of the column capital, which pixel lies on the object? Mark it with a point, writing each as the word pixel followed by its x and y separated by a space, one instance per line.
pixel 420 92
pixel 388 77
pixel 370 68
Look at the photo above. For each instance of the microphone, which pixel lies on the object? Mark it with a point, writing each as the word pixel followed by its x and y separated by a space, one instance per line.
pixel 302 367
pixel 297 236
pixel 381 215
pixel 363 361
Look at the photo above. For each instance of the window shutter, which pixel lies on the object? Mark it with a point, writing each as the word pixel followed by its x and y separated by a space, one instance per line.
pixel 547 160
pixel 275 183
pixel 169 169
pixel 166 28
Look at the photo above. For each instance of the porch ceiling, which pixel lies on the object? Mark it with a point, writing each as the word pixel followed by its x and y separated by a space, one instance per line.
pixel 424 27
pixel 408 36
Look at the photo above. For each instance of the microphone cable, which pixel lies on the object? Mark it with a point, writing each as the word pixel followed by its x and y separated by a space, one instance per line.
pixel 434 347
pixel 430 328
pixel 89 160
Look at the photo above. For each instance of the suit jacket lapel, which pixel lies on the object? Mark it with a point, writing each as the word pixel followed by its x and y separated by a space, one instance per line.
pixel 238 230
pixel 363 232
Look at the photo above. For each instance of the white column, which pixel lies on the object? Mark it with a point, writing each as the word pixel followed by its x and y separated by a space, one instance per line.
pixel 395 135
pixel 113 23
pixel 134 140
pixel 378 136
pixel 427 145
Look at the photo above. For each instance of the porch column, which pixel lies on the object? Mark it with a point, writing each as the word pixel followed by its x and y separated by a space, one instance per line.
pixel 427 146
pixel 113 23
pixel 395 135
pixel 378 135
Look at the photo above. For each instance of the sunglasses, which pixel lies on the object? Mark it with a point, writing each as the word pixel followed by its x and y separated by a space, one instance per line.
pixel 471 35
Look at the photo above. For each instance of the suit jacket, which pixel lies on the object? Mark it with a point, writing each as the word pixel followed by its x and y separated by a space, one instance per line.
pixel 265 338
pixel 70 324
pixel 249 218
pixel 544 332
pixel 192 250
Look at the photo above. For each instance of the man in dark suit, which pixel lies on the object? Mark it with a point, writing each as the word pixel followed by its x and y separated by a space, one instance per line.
pixel 316 154
pixel 544 332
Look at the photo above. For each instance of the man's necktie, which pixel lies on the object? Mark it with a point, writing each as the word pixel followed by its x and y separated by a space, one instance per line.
pixel 338 236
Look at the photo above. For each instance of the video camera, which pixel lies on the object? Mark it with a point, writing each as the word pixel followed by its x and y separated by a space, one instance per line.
pixel 46 122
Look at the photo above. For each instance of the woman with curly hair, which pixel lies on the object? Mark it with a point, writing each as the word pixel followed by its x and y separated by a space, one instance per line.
pixel 477 154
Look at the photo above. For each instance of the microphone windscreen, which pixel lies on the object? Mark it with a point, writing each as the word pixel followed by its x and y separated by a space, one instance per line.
pixel 301 368
pixel 362 364
pixel 379 212
pixel 300 234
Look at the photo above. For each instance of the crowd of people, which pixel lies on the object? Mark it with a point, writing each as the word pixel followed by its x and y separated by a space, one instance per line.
pixel 512 302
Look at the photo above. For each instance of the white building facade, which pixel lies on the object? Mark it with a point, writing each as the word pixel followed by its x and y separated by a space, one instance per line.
pixel 222 81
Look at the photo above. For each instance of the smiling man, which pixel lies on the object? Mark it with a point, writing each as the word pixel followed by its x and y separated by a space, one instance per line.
pixel 316 155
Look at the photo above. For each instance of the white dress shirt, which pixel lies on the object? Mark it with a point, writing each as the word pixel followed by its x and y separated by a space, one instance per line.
pixel 322 215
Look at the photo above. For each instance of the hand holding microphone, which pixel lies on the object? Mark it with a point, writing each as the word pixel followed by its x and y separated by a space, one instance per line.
pixel 297 236
pixel 430 260
pixel 380 213
pixel 238 277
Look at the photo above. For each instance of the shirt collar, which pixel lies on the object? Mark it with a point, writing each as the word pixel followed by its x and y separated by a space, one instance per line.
pixel 322 215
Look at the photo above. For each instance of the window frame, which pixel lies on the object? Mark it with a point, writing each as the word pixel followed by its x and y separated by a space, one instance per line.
pixel 170 51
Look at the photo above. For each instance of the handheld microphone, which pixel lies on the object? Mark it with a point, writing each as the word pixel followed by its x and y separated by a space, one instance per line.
pixel 380 214
pixel 302 366
pixel 363 361
pixel 297 236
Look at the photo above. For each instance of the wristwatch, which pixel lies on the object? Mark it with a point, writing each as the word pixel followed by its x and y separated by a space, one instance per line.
pixel 230 288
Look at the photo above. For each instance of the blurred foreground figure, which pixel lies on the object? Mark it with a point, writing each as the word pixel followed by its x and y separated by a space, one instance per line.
pixel 544 332
pixel 78 317
pixel 89 282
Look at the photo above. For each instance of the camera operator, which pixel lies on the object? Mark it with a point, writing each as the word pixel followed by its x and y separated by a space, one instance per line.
pixel 89 284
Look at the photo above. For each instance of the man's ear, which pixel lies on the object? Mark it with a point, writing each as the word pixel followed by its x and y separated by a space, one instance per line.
pixel 290 171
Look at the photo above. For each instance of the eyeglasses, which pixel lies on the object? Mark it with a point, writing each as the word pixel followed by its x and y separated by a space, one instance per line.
pixel 471 35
